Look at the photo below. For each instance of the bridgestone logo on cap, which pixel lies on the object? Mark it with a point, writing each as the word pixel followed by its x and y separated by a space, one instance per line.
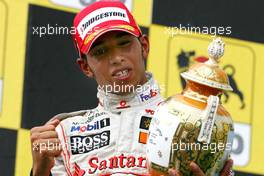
pixel 99 16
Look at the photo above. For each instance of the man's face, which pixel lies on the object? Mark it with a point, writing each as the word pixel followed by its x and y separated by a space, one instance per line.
pixel 116 61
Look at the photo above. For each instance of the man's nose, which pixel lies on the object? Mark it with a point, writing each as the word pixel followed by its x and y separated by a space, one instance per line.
pixel 116 58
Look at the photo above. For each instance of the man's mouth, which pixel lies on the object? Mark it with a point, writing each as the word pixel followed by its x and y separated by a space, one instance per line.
pixel 122 74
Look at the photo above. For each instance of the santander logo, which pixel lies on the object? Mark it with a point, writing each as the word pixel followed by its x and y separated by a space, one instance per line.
pixel 121 161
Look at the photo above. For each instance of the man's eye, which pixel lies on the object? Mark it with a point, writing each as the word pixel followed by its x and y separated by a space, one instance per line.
pixel 99 51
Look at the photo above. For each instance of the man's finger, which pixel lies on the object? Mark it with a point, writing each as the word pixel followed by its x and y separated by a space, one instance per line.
pixel 173 172
pixel 54 122
pixel 227 168
pixel 41 129
pixel 50 153
pixel 196 170
pixel 48 135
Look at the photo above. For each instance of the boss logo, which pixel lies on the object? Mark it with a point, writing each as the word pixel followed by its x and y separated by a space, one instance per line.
pixel 85 144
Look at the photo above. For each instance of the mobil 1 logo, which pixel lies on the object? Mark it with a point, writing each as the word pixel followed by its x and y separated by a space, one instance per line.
pixel 85 144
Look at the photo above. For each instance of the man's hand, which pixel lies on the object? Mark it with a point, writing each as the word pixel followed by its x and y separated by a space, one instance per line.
pixel 227 170
pixel 45 145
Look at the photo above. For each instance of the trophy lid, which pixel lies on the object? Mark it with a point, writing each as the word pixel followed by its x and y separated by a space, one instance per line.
pixel 209 73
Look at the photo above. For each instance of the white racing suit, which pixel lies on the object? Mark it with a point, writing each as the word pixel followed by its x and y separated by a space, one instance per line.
pixel 110 139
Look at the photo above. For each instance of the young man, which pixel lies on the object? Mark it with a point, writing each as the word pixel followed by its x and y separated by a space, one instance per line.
pixel 110 139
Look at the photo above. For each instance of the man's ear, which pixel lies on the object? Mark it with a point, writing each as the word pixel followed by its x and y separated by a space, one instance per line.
pixel 145 45
pixel 84 66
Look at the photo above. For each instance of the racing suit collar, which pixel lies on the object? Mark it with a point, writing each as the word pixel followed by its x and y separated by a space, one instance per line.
pixel 142 95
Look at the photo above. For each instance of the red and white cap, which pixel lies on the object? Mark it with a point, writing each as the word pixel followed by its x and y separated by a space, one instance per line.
pixel 99 18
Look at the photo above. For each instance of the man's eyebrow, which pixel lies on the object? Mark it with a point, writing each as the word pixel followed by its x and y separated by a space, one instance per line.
pixel 121 34
pixel 97 43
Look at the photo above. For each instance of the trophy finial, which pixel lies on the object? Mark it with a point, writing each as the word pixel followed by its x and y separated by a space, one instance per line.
pixel 215 51
pixel 209 73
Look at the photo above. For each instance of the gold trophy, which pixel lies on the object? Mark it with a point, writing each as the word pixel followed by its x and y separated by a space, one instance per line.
pixel 193 125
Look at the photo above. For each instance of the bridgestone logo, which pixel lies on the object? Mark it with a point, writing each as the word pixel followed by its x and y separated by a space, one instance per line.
pixel 99 16
pixel 85 144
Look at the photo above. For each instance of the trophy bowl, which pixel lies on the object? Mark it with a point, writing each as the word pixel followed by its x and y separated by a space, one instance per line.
pixel 194 125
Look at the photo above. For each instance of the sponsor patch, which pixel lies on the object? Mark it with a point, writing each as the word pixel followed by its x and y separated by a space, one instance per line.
pixel 91 125
pixel 93 114
pixel 119 161
pixel 122 105
pixel 99 16
pixel 145 122
pixel 143 137
pixel 78 171
pixel 145 97
pixel 85 144
pixel 150 111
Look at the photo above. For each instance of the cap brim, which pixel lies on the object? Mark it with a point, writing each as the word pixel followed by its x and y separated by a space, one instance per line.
pixel 90 39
